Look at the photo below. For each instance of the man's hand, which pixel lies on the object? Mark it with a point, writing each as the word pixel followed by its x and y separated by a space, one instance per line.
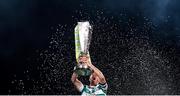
pixel 83 59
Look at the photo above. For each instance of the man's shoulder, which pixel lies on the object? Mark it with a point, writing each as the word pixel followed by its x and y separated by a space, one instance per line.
pixel 103 84
pixel 103 87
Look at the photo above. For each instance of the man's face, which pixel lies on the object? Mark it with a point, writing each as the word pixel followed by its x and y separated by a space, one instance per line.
pixel 94 79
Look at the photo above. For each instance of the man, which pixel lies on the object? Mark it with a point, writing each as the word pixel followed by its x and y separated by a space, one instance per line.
pixel 97 86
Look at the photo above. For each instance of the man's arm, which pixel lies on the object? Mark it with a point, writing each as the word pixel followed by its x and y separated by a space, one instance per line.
pixel 78 84
pixel 98 73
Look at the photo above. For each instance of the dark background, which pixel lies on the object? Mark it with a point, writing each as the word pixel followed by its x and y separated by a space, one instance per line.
pixel 136 44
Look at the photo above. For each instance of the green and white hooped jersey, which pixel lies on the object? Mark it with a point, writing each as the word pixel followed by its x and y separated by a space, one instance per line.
pixel 98 90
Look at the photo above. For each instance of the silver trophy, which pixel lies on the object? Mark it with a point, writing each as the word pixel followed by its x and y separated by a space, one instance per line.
pixel 83 33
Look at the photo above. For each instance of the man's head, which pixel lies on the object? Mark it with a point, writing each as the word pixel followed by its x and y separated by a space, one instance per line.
pixel 94 79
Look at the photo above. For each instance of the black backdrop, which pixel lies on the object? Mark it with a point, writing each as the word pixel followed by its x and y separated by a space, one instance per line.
pixel 135 44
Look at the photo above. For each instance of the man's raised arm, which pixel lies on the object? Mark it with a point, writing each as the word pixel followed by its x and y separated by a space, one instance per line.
pixel 98 73
pixel 78 84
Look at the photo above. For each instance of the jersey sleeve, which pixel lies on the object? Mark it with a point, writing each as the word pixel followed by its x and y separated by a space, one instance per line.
pixel 103 87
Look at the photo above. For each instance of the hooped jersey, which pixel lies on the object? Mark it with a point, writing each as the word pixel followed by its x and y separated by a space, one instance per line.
pixel 98 90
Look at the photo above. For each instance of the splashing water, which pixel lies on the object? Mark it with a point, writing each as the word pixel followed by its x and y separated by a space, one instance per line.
pixel 122 47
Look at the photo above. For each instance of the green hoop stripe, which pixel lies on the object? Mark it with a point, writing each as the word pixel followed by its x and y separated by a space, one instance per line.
pixel 77 42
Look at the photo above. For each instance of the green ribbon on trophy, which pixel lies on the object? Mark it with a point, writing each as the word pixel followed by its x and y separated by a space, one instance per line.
pixel 83 33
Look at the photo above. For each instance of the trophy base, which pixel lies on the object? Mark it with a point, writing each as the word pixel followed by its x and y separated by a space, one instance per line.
pixel 83 71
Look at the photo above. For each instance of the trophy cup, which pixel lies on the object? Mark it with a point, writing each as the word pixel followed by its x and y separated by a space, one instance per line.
pixel 83 33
